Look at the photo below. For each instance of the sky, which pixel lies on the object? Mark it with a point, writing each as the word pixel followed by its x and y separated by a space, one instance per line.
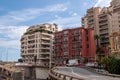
pixel 17 15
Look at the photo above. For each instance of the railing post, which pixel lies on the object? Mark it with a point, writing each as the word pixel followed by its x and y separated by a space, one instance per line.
pixel 71 78
pixel 64 78
pixel 55 74
pixel 59 75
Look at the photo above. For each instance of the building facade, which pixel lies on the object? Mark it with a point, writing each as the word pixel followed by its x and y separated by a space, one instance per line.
pixel 105 23
pixel 77 43
pixel 115 44
pixel 91 19
pixel 115 4
pixel 104 20
pixel 37 44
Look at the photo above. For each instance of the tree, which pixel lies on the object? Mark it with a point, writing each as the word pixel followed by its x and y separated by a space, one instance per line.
pixel 105 61
pixel 99 50
pixel 97 37
pixel 20 60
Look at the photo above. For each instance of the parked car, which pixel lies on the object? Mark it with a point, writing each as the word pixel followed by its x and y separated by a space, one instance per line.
pixel 72 62
pixel 91 64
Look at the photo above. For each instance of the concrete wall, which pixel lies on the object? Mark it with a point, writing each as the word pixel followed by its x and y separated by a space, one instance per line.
pixel 42 73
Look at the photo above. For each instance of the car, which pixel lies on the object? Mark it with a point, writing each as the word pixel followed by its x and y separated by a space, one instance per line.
pixel 90 64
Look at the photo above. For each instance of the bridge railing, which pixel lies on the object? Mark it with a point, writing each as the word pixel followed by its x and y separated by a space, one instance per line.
pixel 54 75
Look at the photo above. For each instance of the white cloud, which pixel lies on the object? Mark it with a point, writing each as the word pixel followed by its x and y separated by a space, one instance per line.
pixel 102 3
pixel 9 43
pixel 68 22
pixel 85 4
pixel 10 36
pixel 15 17
pixel 56 16
pixel 74 14
pixel 12 32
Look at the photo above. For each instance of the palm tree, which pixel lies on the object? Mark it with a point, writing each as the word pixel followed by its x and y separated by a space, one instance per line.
pixel 98 50
pixel 97 37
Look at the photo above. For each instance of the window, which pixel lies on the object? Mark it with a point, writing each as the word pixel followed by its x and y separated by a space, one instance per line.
pixel 86 31
pixel 75 32
pixel 87 38
pixel 79 38
pixel 65 47
pixel 66 39
pixel 53 29
pixel 65 33
pixel 87 45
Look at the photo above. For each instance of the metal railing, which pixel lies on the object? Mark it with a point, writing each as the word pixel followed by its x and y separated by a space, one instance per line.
pixel 54 75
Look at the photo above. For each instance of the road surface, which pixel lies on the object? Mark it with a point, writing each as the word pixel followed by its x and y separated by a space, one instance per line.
pixel 83 73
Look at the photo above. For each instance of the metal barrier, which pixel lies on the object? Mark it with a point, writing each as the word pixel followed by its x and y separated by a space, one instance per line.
pixel 54 75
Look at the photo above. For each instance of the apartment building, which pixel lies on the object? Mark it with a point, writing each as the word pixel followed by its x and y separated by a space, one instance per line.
pixel 77 43
pixel 37 44
pixel 91 19
pixel 115 44
pixel 105 25
pixel 115 4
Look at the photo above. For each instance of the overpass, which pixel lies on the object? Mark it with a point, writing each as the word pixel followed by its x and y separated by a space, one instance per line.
pixel 7 73
pixel 77 73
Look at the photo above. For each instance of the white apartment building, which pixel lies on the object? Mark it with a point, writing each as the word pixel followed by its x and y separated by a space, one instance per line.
pixel 37 44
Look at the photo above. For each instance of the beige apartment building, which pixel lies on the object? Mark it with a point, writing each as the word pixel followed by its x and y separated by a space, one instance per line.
pixel 115 4
pixel 37 44
pixel 91 19
pixel 115 44
pixel 104 20
pixel 105 23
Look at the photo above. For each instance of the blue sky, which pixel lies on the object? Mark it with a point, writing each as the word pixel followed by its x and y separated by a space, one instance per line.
pixel 17 15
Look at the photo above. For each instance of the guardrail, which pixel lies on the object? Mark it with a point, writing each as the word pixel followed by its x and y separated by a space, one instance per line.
pixel 54 75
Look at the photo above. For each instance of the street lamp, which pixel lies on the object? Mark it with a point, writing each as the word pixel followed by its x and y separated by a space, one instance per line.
pixel 80 57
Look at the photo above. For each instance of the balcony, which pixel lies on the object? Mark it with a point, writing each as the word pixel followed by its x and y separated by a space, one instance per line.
pixel 44 53
pixel 46 34
pixel 46 43
pixel 44 58
pixel 44 38
pixel 45 48
pixel 103 32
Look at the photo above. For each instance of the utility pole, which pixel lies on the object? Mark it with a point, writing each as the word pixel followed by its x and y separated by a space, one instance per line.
pixel 6 54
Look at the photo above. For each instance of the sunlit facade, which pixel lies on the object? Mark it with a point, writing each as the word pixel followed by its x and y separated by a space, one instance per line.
pixel 37 44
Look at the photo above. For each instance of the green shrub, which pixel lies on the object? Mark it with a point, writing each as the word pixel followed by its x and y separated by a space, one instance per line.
pixel 114 66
